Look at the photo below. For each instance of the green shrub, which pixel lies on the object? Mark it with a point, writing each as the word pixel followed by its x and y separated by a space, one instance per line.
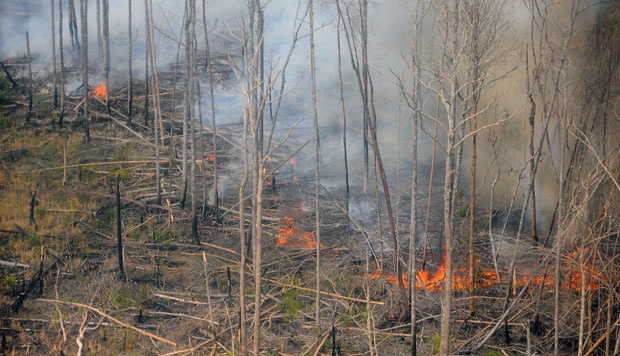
pixel 290 305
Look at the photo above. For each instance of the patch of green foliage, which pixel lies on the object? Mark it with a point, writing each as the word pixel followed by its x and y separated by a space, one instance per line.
pixel 436 343
pixel 5 90
pixel 351 314
pixel 290 305
pixel 7 284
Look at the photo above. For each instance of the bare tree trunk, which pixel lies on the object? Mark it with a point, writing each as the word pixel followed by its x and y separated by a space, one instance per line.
pixel 130 65
pixel 84 56
pixel 344 127
pixel 62 67
pixel 243 238
pixel 99 42
pixel 414 100
pixel 157 126
pixel 366 109
pixel 119 235
pixel 186 109
pixel 189 77
pixel 451 101
pixel 106 53
pixel 30 94
pixel 147 51
pixel 212 98
pixel 55 73
pixel 317 175
pixel 73 29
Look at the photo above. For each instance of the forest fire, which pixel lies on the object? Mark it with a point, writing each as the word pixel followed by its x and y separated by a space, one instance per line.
pixel 100 91
pixel 291 235
pixel 488 278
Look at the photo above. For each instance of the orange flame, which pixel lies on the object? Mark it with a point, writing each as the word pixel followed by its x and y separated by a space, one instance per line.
pixel 291 235
pixel 100 91
pixel 487 278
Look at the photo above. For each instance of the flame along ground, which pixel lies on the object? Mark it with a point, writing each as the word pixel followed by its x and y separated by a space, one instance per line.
pixel 488 278
pixel 100 90
pixel 291 235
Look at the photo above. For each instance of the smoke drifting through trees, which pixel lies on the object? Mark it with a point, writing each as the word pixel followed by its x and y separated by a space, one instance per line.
pixel 474 98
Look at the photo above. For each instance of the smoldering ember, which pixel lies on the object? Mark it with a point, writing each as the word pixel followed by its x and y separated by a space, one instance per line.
pixel 335 177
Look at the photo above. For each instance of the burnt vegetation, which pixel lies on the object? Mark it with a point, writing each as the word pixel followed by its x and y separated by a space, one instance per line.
pixel 175 187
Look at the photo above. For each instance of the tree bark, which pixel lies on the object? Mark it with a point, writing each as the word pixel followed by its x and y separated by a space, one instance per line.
pixel 106 53
pixel 119 236
pixel 129 64
pixel 317 176
pixel 30 93
pixel 212 101
pixel 73 29
pixel 55 73
pixel 84 56
pixel 62 67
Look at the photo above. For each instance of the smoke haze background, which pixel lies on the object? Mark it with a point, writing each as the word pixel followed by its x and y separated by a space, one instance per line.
pixel 390 41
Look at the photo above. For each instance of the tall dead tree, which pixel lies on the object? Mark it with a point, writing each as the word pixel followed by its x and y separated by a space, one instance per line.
pixel 147 39
pixel 190 51
pixel 157 125
pixel 254 45
pixel 483 34
pixel 211 72
pixel 106 53
pixel 99 38
pixel 62 67
pixel 30 81
pixel 73 29
pixel 413 98
pixel 449 11
pixel 119 235
pixel 344 124
pixel 317 176
pixel 55 73
pixel 359 63
pixel 130 65
pixel 84 59
pixel 187 112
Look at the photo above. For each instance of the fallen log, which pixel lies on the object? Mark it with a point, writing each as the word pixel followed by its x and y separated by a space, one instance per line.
pixel 13 264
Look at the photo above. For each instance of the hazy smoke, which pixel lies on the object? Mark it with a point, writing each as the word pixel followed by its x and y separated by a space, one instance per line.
pixel 390 46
